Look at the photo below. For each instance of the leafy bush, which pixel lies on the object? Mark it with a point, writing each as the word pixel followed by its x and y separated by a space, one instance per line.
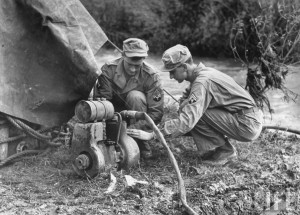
pixel 266 42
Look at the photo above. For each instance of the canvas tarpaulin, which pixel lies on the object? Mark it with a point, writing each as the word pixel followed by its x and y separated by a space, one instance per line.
pixel 47 61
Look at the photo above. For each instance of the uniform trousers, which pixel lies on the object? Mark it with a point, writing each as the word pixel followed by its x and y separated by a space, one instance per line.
pixel 211 130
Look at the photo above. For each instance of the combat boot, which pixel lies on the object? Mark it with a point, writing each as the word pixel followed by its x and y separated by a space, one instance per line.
pixel 222 155
pixel 145 149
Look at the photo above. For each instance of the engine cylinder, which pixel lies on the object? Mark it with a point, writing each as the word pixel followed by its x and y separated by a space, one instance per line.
pixel 87 111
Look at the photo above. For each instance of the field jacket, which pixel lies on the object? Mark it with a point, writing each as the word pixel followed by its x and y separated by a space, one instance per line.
pixel 112 82
pixel 209 88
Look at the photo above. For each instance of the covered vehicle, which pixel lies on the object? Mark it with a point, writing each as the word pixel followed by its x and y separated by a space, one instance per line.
pixel 47 66
pixel 47 61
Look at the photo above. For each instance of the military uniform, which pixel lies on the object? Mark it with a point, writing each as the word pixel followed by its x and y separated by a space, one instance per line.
pixel 142 92
pixel 131 84
pixel 213 108
pixel 216 106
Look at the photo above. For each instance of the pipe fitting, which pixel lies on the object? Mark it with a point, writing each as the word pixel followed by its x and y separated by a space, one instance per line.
pixel 131 114
pixel 82 162
pixel 22 146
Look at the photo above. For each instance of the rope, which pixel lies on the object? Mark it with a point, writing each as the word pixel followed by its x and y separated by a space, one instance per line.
pixel 171 95
pixel 11 139
pixel 45 129
pixel 295 131
pixel 23 153
pixel 115 46
pixel 116 93
pixel 36 134
pixel 53 143
pixel 22 126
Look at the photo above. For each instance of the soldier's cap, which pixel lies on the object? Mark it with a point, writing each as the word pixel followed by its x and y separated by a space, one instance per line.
pixel 134 60
pixel 174 57
pixel 134 47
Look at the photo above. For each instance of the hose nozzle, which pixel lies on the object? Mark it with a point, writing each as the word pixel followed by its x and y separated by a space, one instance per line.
pixel 132 114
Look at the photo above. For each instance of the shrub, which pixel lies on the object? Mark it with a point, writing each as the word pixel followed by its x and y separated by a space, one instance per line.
pixel 266 42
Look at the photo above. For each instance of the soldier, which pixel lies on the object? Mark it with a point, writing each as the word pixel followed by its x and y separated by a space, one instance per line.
pixel 213 108
pixel 132 84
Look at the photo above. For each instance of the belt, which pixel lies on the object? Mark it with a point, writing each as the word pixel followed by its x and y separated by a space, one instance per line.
pixel 248 110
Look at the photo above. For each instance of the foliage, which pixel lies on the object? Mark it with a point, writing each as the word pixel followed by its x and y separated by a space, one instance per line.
pixel 202 25
pixel 266 42
pixel 121 19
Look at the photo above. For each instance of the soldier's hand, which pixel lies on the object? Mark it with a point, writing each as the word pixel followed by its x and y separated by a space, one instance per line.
pixel 140 134
pixel 182 104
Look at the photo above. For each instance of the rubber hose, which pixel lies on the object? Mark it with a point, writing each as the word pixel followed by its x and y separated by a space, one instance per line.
pixel 181 187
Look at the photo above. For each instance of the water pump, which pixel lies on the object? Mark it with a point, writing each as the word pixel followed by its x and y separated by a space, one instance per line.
pixel 99 140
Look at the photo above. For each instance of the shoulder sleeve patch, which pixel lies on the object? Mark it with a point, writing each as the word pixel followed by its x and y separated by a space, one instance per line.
pixel 157 95
pixel 192 98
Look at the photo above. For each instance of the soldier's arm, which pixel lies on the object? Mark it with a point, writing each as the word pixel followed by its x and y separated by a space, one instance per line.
pixel 198 102
pixel 104 85
pixel 155 98
pixel 185 94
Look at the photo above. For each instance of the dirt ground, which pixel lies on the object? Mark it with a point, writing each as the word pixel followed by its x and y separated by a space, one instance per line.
pixel 264 180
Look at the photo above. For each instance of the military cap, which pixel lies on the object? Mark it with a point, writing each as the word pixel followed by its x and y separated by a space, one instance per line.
pixel 134 47
pixel 174 57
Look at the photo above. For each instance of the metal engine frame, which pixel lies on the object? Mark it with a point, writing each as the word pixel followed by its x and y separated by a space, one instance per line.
pixel 97 146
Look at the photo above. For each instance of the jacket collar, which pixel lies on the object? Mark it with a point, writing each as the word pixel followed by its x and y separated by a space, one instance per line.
pixel 196 71
pixel 120 78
